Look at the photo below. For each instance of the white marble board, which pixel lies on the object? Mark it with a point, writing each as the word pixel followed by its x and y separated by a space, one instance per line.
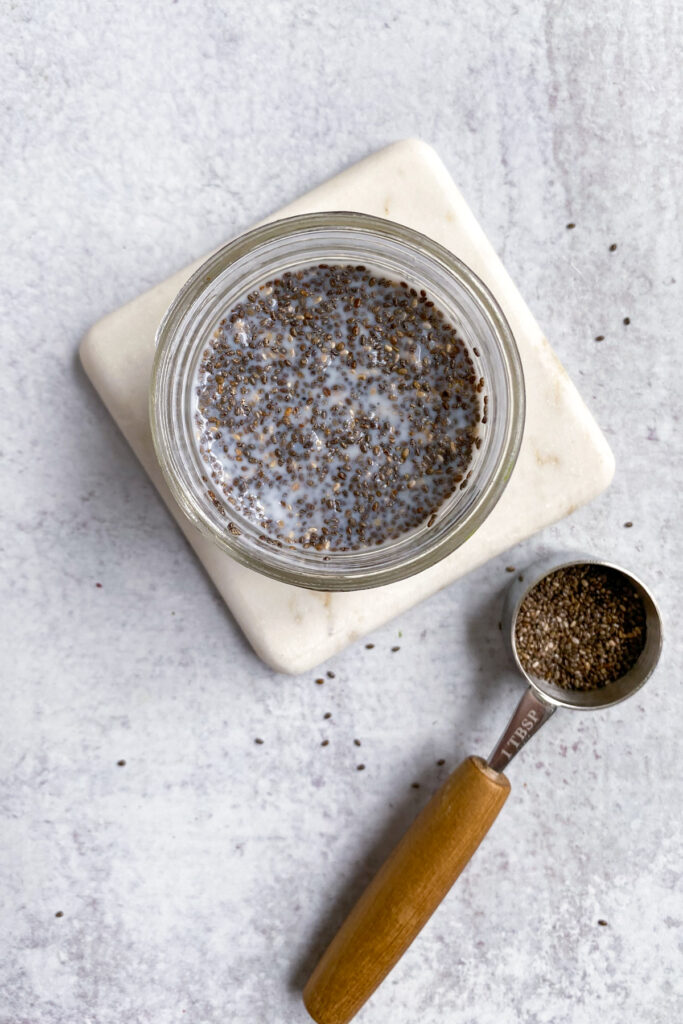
pixel 564 461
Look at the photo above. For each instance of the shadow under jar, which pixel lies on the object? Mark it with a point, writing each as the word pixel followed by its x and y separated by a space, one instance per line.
pixel 403 259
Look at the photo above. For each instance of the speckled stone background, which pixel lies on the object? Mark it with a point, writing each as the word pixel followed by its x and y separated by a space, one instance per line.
pixel 199 881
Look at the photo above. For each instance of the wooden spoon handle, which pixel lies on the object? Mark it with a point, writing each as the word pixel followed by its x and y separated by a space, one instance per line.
pixel 405 892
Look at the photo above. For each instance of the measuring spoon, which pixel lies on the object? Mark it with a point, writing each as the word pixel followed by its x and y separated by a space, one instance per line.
pixel 419 872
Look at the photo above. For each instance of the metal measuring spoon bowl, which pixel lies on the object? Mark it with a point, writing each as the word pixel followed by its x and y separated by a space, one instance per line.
pixel 543 697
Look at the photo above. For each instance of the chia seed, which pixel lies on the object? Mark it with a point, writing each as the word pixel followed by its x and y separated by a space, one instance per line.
pixel 581 627
pixel 336 409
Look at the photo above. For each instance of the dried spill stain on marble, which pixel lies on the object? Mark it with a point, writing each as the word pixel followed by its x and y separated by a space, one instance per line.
pixel 299 614
pixel 546 458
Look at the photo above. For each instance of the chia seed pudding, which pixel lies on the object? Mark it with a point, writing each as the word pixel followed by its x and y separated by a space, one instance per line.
pixel 336 409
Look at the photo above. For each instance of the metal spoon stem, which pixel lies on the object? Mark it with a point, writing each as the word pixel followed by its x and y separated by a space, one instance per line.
pixel 528 717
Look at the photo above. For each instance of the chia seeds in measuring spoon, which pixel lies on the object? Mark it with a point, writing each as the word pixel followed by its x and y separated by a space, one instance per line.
pixel 337 409
pixel 581 627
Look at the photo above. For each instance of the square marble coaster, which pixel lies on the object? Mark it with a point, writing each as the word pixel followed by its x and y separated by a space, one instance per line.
pixel 564 460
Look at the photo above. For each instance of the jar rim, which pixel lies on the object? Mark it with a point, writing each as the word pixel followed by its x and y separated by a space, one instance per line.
pixel 286 565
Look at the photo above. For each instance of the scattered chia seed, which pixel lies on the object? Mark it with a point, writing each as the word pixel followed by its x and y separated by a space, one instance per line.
pixel 60 913
pixel 336 409
pixel 509 568
pixel 368 647
pixel 627 320
pixel 357 742
pixel 570 227
pixel 258 740
pixel 441 761
pixel 581 627
pixel 602 922
pixel 600 337
pixel 613 247
pixel 328 714
pixel 99 586
pixel 330 675
pixel 415 785
pixel 121 763
pixel 394 649
pixel 628 525
pixel 319 682
pixel 360 767
pixel 325 743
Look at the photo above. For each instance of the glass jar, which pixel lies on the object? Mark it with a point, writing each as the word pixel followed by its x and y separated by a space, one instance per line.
pixel 399 253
